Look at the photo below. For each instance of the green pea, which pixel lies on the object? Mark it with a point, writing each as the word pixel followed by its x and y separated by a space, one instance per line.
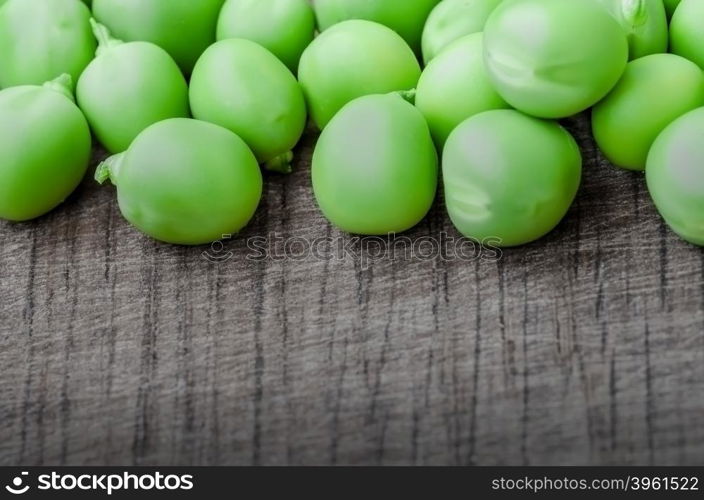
pixel 675 176
pixel 243 87
pixel 42 39
pixel 453 19
pixel 645 23
pixel 671 6
pixel 186 182
pixel 509 178
pixel 87 2
pixel 45 148
pixel 375 167
pixel 455 86
pixel 553 58
pixel 653 92
pixel 128 87
pixel 285 27
pixel 405 17
pixel 184 28
pixel 354 59
pixel 687 31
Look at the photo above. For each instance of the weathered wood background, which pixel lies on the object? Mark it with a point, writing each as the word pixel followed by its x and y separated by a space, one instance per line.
pixel 584 348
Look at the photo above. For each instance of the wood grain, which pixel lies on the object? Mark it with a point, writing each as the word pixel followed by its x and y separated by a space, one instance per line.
pixel 584 348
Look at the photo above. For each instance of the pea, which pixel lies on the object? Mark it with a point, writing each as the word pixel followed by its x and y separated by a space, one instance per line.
pixel 185 182
pixel 653 92
pixel 375 167
pixel 405 17
pixel 455 86
pixel 687 31
pixel 45 148
pixel 553 58
pixel 453 19
pixel 675 176
pixel 41 39
pixel 184 28
pixel 354 59
pixel 87 2
pixel 509 177
pixel 243 87
pixel 645 23
pixel 128 87
pixel 671 6
pixel 285 27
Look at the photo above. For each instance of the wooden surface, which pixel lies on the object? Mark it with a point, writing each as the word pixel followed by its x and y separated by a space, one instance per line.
pixel 584 348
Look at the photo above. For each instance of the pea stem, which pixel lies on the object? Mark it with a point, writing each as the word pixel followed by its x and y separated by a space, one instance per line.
pixel 635 12
pixel 281 163
pixel 105 39
pixel 109 169
pixel 63 85
pixel 408 95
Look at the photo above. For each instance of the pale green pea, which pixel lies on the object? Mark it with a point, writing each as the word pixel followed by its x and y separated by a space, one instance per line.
pixel 456 86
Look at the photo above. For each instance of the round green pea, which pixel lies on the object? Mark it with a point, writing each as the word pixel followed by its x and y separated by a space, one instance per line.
pixel 128 87
pixel 184 28
pixel 653 92
pixel 553 58
pixel 353 59
pixel 451 20
pixel 243 87
pixel 375 167
pixel 645 23
pixel 42 39
pixel 675 176
pixel 285 27
pixel 186 182
pixel 455 86
pixel 45 148
pixel 687 31
pixel 509 178
pixel 405 17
